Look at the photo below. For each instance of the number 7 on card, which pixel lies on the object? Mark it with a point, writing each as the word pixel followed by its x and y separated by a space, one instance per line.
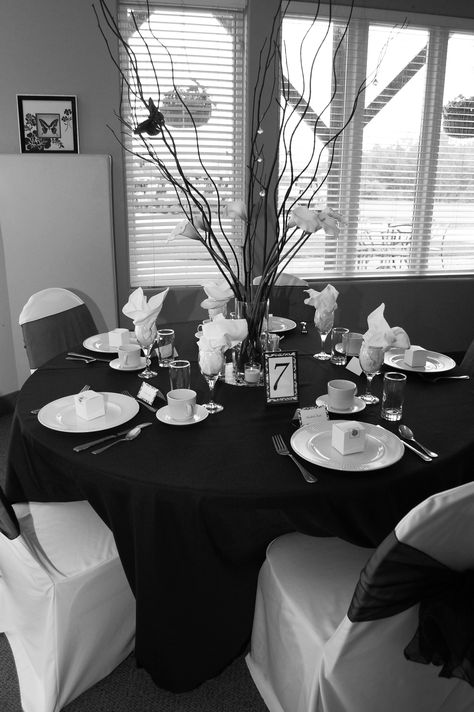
pixel 281 377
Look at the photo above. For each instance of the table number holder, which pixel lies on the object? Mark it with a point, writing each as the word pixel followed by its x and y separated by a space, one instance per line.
pixel 281 377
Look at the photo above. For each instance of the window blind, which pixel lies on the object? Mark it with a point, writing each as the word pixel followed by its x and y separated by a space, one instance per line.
pixel 402 172
pixel 207 66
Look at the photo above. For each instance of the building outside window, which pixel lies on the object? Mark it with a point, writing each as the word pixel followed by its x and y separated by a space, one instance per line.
pixel 401 173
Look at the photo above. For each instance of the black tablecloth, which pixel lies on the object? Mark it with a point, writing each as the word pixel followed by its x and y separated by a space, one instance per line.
pixel 192 508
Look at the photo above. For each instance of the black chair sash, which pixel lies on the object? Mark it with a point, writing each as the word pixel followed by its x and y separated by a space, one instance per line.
pixel 47 337
pixel 9 525
pixel 397 577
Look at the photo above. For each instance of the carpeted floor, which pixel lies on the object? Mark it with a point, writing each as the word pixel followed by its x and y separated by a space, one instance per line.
pixel 128 689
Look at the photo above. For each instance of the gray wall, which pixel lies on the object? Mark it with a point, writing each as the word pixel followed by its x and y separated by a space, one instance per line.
pixel 54 47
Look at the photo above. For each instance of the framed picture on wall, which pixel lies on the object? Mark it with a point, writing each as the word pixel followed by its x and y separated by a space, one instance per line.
pixel 47 124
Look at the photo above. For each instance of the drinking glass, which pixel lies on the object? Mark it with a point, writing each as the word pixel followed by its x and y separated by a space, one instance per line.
pixel 180 374
pixel 370 359
pixel 393 395
pixel 146 336
pixel 211 363
pixel 338 355
pixel 323 320
pixel 165 347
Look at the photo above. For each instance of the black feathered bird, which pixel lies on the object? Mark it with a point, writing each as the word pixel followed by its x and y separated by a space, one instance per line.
pixel 152 125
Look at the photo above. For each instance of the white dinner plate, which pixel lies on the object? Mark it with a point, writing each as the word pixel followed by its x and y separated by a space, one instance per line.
pixel 359 405
pixel 100 343
pixel 279 324
pixel 61 414
pixel 164 417
pixel 313 443
pixel 435 363
pixel 115 363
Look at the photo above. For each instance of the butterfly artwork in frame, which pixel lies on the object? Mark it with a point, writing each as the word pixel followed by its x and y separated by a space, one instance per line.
pixel 48 123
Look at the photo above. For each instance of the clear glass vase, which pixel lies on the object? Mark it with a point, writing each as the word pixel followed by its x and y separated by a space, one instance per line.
pixel 251 350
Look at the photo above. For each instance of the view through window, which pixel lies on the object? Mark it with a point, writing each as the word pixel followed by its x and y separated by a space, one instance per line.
pixel 402 174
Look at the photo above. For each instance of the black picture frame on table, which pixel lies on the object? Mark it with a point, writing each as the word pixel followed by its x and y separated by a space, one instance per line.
pixel 281 377
pixel 48 123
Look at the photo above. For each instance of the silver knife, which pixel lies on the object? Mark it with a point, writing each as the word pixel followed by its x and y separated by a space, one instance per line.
pixel 84 446
pixel 420 454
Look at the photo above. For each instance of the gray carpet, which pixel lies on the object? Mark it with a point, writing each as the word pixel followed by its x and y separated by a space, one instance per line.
pixel 128 689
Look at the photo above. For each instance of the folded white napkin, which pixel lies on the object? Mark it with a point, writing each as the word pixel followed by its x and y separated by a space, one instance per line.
pixel 325 301
pixel 222 333
pixel 142 310
pixel 381 334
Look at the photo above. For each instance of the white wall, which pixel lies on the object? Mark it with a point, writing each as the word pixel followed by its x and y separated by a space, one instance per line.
pixel 55 47
pixel 56 231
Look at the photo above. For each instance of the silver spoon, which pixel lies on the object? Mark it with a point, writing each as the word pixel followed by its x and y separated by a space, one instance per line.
pixel 405 432
pixel 131 435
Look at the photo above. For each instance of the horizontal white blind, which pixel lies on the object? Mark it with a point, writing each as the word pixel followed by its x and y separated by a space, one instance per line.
pixel 207 67
pixel 402 174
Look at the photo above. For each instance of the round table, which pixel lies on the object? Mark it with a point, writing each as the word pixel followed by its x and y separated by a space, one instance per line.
pixel 193 508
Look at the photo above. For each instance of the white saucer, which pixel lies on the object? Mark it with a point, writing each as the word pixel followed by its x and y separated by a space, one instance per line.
pixel 359 405
pixel 115 363
pixel 163 415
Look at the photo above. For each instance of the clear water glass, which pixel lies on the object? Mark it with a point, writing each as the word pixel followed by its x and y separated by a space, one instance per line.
pixel 211 364
pixel 323 321
pixel 370 359
pixel 146 336
pixel 393 395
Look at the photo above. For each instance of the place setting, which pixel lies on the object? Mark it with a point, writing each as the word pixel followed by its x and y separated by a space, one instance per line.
pixel 347 444
pixel 88 411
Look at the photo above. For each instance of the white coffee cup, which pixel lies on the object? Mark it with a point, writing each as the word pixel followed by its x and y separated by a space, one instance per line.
pixel 341 394
pixel 129 356
pixel 181 403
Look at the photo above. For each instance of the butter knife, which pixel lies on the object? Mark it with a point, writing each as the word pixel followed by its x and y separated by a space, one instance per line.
pixel 85 357
pixel 84 446
pixel 420 454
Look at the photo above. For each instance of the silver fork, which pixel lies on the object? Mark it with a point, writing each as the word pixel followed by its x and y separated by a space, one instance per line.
pixel 37 410
pixel 281 448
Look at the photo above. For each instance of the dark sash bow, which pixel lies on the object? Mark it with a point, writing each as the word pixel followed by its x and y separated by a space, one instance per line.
pixel 397 577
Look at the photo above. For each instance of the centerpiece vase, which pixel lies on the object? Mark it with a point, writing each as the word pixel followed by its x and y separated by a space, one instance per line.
pixel 256 315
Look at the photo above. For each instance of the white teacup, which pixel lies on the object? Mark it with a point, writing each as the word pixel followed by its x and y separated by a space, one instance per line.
pixel 129 356
pixel 181 403
pixel 341 394
pixel 200 326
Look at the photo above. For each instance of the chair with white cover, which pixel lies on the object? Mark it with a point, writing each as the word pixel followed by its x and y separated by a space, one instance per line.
pixel 66 607
pixel 340 628
pixel 285 279
pixel 52 321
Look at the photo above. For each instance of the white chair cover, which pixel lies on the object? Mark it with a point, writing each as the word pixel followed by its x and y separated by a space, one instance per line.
pixel 285 279
pixel 307 656
pixel 47 302
pixel 52 321
pixel 65 605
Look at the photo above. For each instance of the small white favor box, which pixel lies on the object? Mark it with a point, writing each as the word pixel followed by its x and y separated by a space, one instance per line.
pixel 119 337
pixel 348 437
pixel 89 405
pixel 416 358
